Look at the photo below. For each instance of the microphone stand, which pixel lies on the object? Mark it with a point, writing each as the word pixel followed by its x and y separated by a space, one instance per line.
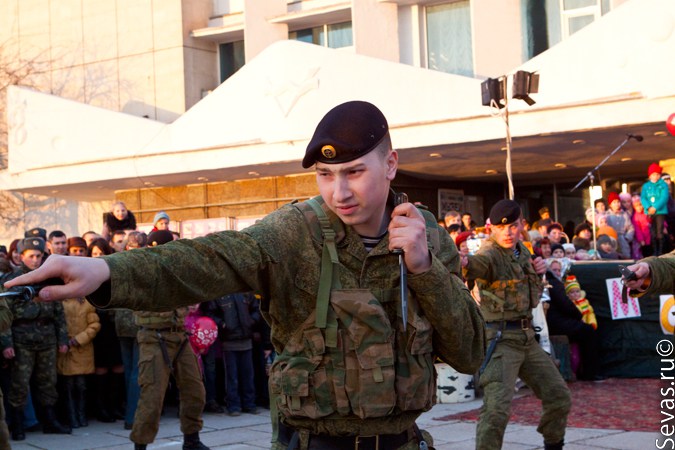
pixel 590 176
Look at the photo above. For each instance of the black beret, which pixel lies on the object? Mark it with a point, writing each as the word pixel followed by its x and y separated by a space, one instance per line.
pixel 504 212
pixel 345 133
pixel 36 232
pixel 159 237
pixel 31 243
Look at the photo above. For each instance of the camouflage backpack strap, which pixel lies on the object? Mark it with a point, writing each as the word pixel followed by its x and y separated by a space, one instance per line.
pixel 329 277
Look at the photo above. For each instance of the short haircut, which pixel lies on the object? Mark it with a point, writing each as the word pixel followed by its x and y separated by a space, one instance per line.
pixel 117 233
pixel 56 234
pixel 384 146
pixel 452 213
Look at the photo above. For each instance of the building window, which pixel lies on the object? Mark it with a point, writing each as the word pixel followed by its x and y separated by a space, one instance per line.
pixel 449 46
pixel 336 35
pixel 231 58
pixel 547 22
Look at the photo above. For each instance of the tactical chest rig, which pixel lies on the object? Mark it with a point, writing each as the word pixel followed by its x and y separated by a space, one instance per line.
pixel 348 359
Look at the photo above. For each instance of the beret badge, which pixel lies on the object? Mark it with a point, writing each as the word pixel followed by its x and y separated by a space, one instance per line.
pixel 504 220
pixel 36 242
pixel 328 151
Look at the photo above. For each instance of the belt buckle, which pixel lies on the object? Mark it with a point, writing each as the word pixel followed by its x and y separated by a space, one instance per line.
pixel 524 324
pixel 357 441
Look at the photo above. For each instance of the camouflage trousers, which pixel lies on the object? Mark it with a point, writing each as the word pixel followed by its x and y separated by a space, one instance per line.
pixel 519 355
pixel 153 378
pixel 4 431
pixel 410 445
pixel 41 364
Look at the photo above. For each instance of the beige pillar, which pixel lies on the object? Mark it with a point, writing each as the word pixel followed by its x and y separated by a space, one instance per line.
pixel 497 36
pixel 258 31
pixel 375 26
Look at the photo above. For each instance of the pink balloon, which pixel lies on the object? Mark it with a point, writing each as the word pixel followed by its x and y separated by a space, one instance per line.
pixel 203 333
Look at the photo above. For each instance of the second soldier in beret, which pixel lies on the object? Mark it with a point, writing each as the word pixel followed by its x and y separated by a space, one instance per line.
pixel 348 373
pixel 510 286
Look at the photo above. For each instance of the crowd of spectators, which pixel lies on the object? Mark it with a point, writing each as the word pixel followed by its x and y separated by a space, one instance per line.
pixel 96 369
pixel 625 225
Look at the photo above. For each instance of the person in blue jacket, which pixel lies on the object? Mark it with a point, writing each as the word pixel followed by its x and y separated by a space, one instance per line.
pixel 654 198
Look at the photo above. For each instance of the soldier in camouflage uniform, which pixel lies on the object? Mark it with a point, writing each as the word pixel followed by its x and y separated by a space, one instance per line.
pixel 163 350
pixel 510 286
pixel 5 324
pixel 654 276
pixel 349 373
pixel 31 343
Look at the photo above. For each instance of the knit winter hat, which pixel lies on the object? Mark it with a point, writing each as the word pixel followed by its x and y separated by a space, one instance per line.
pixel 607 230
pixel 571 283
pixel 463 236
pixel 654 168
pixel 612 196
pixel 160 215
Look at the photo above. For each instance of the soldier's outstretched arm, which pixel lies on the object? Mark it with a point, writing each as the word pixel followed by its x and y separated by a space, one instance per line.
pixel 81 277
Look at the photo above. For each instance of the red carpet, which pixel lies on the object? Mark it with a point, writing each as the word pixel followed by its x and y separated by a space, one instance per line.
pixel 618 403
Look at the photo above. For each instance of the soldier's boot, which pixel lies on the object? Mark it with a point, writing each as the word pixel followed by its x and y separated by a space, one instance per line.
pixel 70 402
pixel 557 446
pixel 18 433
pixel 192 442
pixel 140 446
pixel 51 425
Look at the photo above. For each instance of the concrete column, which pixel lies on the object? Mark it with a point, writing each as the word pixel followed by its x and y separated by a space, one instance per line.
pixel 258 32
pixel 375 26
pixel 497 46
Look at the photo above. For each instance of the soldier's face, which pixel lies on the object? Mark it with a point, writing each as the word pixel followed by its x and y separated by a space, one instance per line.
pixel 507 235
pixel 357 190
pixel 31 259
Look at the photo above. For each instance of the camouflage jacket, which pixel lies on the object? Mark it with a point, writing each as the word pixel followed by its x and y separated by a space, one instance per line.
pixel 5 316
pixel 280 258
pixel 509 286
pixel 662 276
pixel 35 324
pixel 125 326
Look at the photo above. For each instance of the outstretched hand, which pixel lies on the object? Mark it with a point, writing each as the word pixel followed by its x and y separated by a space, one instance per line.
pixel 81 276
pixel 408 232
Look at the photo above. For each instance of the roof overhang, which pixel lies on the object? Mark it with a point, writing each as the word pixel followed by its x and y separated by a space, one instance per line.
pixel 607 80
